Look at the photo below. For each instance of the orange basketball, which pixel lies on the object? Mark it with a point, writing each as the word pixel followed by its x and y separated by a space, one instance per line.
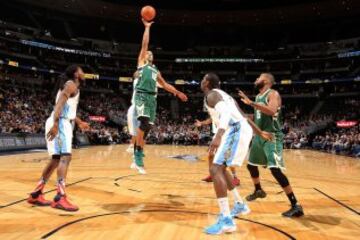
pixel 148 13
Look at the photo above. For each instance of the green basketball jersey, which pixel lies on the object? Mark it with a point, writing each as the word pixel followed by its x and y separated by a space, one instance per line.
pixel 147 79
pixel 265 122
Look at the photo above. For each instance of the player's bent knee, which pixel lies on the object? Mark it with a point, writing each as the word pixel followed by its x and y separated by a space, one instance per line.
pixel 280 177
pixel 254 171
pixel 215 169
pixel 145 125
pixel 65 157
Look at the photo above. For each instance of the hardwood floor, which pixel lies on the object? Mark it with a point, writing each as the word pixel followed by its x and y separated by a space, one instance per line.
pixel 171 202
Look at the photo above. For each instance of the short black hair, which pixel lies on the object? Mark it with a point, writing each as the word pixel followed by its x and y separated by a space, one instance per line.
pixel 71 70
pixel 213 79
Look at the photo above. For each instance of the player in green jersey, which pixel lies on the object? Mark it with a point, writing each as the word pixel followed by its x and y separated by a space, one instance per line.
pixel 145 96
pixel 267 116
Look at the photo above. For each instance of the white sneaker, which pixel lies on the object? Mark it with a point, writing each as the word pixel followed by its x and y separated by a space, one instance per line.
pixel 130 149
pixel 141 170
pixel 240 209
pixel 133 165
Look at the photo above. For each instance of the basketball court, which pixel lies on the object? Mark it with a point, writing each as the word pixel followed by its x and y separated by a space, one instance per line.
pixel 171 202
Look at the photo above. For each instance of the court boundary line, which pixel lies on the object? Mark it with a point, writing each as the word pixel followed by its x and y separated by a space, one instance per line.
pixel 52 190
pixel 52 232
pixel 338 202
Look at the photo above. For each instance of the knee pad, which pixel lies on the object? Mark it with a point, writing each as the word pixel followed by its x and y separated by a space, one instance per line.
pixel 280 177
pixel 55 157
pixel 145 125
pixel 254 171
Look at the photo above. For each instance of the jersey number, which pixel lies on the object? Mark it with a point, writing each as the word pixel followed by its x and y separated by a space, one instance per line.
pixel 257 114
pixel 154 76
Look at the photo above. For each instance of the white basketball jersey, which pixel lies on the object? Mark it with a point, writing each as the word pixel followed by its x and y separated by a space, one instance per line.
pixel 70 107
pixel 235 114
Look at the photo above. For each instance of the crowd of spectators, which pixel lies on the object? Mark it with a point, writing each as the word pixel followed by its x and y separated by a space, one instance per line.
pixel 319 131
pixel 24 110
pixel 178 132
pixel 344 141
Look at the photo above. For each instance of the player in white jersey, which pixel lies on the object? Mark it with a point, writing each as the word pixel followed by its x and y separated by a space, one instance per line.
pixel 59 134
pixel 229 147
pixel 198 123
pixel 132 121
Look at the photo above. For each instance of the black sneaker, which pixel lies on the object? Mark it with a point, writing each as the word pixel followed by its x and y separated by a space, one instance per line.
pixel 257 194
pixel 294 211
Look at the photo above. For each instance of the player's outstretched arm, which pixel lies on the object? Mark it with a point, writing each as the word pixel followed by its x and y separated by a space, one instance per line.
pixel 265 135
pixel 170 88
pixel 274 102
pixel 199 123
pixel 145 43
pixel 82 124
pixel 70 88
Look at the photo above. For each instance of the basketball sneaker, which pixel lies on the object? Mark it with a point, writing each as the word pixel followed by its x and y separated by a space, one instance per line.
pixel 141 170
pixel 139 161
pixel 133 165
pixel 222 225
pixel 38 200
pixel 130 149
pixel 236 181
pixel 207 179
pixel 294 211
pixel 240 208
pixel 61 202
pixel 256 194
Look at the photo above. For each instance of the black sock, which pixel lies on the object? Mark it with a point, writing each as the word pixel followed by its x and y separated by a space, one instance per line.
pixel 35 194
pixel 292 198
pixel 258 186
pixel 57 197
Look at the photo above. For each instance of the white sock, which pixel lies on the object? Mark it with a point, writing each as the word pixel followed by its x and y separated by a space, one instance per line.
pixel 224 206
pixel 237 196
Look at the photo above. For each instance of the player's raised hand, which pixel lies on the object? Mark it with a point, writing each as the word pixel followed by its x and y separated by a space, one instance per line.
pixel 244 98
pixel 197 123
pixel 84 126
pixel 52 132
pixel 267 136
pixel 146 23
pixel 182 96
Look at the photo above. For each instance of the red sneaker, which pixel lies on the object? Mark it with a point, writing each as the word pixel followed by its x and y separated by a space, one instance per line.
pixel 207 179
pixel 236 181
pixel 39 201
pixel 64 204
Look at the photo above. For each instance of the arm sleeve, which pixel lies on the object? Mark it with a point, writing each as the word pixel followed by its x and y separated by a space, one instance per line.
pixel 224 113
